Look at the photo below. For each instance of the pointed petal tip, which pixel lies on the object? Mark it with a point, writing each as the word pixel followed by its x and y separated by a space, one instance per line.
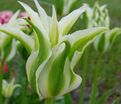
pixel 36 3
pixel 20 2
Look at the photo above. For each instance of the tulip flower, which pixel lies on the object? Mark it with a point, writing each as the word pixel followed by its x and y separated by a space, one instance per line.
pixel 54 51
pixel 104 42
pixel 96 17
pixel 9 88
pixel 7 44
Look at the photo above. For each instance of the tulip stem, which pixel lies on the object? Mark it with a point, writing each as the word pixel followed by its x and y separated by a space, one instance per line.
pixel 84 62
pixel 1 77
pixel 50 101
pixel 95 81
pixel 6 101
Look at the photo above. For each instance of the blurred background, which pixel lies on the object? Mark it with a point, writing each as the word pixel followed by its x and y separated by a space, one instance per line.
pixel 110 64
pixel 113 6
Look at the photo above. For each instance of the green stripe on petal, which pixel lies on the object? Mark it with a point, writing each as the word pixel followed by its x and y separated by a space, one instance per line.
pixel 56 75
pixel 54 29
pixel 44 44
pixel 36 41
pixel 44 52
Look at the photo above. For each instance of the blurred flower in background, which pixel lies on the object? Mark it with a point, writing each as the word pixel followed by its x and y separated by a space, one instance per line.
pixel 5 68
pixel 5 16
pixel 98 16
pixel 8 88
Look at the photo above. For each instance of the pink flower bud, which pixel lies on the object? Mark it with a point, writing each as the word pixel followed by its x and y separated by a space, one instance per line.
pixel 1 21
pixel 5 16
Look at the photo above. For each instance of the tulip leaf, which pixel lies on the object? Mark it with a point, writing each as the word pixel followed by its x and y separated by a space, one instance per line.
pixel 116 101
pixel 104 97
pixel 59 6
pixel 67 99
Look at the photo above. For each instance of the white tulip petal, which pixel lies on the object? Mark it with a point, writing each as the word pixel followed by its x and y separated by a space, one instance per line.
pixel 43 16
pixel 26 40
pixel 68 21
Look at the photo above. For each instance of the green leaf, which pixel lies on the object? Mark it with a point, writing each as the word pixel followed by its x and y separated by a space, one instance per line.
pixel 22 50
pixel 59 6
pixel 104 97
pixel 117 101
pixel 67 99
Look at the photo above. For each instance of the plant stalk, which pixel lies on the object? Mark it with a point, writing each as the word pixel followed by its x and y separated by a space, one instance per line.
pixel 1 78
pixel 50 101
pixel 6 101
pixel 95 81
pixel 68 99
pixel 84 74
